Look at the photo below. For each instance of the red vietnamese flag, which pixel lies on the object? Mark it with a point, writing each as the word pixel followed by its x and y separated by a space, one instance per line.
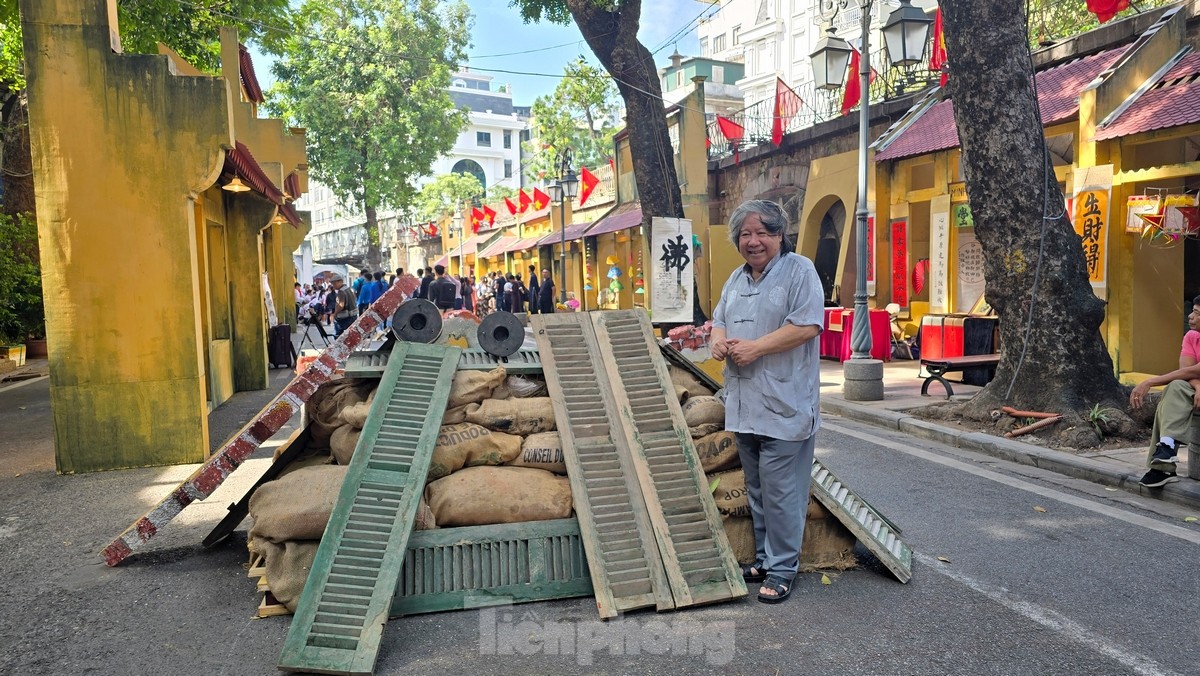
pixel 476 218
pixel 512 207
pixel 852 94
pixel 524 200
pixel 589 181
pixel 1106 9
pixel 787 104
pixel 432 229
pixel 732 131
pixel 540 199
pixel 937 58
pixel 489 215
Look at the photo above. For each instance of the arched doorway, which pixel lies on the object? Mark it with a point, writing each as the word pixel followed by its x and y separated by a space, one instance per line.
pixel 471 167
pixel 829 246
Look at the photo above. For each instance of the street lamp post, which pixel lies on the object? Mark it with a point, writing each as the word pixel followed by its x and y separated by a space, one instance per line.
pixel 905 33
pixel 458 226
pixel 564 188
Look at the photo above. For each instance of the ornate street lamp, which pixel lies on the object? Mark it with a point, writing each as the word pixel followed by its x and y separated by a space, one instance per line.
pixel 564 188
pixel 905 34
pixel 458 227
pixel 830 60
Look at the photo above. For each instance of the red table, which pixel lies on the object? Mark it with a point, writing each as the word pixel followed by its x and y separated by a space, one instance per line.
pixel 839 326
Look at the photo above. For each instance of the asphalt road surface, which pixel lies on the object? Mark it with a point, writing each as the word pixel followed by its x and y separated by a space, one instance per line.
pixel 1100 582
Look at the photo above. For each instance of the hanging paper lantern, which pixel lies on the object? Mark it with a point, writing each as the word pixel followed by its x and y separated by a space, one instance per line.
pixel 640 292
pixel 611 260
pixel 616 285
pixel 587 286
pixel 614 272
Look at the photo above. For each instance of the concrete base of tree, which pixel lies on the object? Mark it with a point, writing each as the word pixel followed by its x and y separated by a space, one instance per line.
pixel 864 380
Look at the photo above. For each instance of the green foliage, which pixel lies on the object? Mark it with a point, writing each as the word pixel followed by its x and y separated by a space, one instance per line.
pixel 440 196
pixel 21 313
pixel 499 192
pixel 577 115
pixel 190 29
pixel 1099 419
pixel 1054 20
pixel 368 79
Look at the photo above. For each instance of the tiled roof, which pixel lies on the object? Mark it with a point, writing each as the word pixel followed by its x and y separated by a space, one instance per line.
pixel 497 248
pixel 1058 100
pixel 1172 102
pixel 523 244
pixel 622 217
pixel 574 231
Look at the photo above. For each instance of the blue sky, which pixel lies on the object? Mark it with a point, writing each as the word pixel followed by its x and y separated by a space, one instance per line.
pixel 499 30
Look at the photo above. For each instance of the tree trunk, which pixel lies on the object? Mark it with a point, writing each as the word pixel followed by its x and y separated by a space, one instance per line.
pixel 612 35
pixel 374 257
pixel 1066 368
pixel 16 160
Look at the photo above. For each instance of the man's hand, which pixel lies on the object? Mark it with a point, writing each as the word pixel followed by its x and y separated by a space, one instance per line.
pixel 1139 393
pixel 720 348
pixel 744 352
pixel 1195 398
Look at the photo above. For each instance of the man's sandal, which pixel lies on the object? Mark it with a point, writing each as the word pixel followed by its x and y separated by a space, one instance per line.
pixel 779 584
pixel 753 572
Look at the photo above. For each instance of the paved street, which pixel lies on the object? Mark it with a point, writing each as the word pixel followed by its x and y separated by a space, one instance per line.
pixel 1097 584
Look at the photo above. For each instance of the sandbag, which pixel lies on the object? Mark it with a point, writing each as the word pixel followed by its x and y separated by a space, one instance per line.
pixel 543 451
pixel 453 416
pixel 691 383
pixel 472 387
pixel 478 496
pixel 468 445
pixel 682 394
pixel 730 494
pixel 315 460
pixel 740 531
pixel 703 410
pixel 343 442
pixel 717 451
pixel 296 506
pixel 287 566
pixel 515 416
pixel 701 431
pixel 356 415
pixel 324 408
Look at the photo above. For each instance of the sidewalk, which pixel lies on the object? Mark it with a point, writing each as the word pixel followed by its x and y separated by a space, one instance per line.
pixel 1121 467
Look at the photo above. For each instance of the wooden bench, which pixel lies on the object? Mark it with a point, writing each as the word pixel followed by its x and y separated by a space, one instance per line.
pixel 940 367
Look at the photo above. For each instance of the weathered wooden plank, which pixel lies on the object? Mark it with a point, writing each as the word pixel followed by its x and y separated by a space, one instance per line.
pixel 585 410
pixel 871 528
pixel 339 619
pixel 674 486
pixel 269 420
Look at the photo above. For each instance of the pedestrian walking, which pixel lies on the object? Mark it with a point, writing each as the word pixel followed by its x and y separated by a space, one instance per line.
pixel 533 290
pixel 441 290
pixel 546 293
pixel 345 306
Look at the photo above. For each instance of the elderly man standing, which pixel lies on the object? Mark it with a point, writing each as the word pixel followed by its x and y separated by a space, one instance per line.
pixel 764 326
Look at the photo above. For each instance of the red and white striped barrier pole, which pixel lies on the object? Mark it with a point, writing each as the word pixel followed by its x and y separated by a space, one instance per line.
pixel 274 416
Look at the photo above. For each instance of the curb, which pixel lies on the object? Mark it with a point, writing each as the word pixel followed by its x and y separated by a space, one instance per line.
pixel 1185 493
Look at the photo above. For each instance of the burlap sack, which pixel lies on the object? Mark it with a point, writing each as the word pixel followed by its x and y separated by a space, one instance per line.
pixel 356 415
pixel 468 445
pixel 682 394
pixel 515 416
pixel 455 415
pixel 730 494
pixel 502 392
pixel 324 408
pixel 543 451
pixel 315 460
pixel 296 506
pixel 424 519
pixel 478 496
pixel 287 567
pixel 703 410
pixel 740 531
pixel 701 431
pixel 717 452
pixel 688 381
pixel 342 443
pixel 472 387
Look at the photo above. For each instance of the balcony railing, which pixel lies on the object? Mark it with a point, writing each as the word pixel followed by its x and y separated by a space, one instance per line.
pixel 818 105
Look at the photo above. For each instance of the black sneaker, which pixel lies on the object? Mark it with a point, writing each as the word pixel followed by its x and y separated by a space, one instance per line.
pixel 1163 453
pixel 1157 478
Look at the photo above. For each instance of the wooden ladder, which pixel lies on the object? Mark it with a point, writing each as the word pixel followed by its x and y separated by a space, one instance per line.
pixel 339 620
pixel 650 527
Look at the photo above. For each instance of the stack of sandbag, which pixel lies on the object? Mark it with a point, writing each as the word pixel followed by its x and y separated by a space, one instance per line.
pixel 498 458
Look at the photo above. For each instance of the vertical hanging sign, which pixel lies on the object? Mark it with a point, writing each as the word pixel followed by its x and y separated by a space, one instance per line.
pixel 674 269
pixel 939 254
pixel 870 254
pixel 1093 187
pixel 900 263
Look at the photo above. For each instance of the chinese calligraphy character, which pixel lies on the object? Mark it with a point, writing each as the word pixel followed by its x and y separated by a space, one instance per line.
pixel 675 256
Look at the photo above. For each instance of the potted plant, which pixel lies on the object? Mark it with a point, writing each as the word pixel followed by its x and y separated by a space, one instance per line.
pixel 22 316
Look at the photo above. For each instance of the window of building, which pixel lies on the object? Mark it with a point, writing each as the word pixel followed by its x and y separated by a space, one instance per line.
pixel 704 47
pixel 483 139
pixel 736 34
pixel 679 78
pixel 719 43
pixel 718 74
pixel 507 167
pixel 507 139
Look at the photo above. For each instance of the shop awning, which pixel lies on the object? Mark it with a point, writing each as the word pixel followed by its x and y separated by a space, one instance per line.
pixel 533 215
pixel 574 231
pixel 1058 100
pixel 523 244
pixel 469 247
pixel 1172 102
pixel 497 248
pixel 620 217
pixel 241 163
pixel 443 261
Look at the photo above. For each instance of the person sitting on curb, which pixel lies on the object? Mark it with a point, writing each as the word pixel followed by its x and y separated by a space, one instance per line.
pixel 1176 420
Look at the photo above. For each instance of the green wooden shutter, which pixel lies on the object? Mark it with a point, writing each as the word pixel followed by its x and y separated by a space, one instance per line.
pixel 879 535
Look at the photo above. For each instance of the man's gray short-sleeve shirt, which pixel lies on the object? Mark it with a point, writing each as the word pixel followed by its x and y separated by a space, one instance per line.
pixel 778 395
